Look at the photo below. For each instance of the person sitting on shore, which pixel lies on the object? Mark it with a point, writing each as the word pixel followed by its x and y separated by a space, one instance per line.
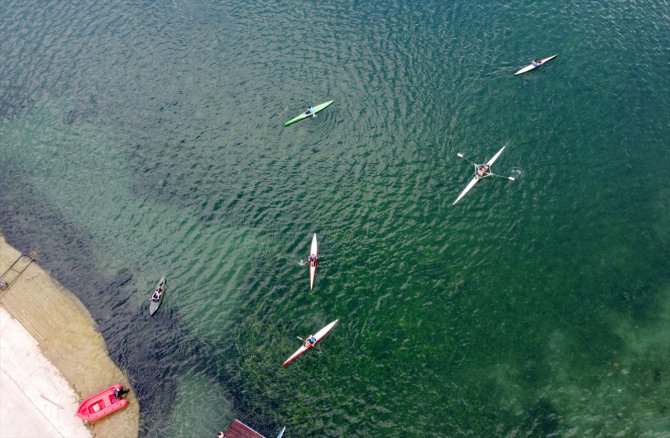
pixel 118 392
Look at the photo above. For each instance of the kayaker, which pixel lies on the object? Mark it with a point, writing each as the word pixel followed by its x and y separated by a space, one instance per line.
pixel 310 341
pixel 309 110
pixel 537 62
pixel 156 296
pixel 312 259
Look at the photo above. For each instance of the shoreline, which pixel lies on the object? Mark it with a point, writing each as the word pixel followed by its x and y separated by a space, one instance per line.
pixel 65 336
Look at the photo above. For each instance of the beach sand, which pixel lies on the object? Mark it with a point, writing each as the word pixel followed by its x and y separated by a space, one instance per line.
pixel 64 334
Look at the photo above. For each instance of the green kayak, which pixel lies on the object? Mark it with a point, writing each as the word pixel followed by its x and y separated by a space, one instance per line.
pixel 313 110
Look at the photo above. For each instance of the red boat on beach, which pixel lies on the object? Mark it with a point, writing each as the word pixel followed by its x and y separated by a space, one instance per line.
pixel 102 404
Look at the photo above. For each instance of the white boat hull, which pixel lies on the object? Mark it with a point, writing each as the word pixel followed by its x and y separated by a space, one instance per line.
pixel 472 183
pixel 533 67
pixel 154 305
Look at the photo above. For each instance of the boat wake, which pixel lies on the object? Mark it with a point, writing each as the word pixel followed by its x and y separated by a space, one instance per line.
pixel 516 172
pixel 302 262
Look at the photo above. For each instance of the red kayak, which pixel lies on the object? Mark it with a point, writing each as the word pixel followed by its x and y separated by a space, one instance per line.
pixel 101 404
pixel 306 346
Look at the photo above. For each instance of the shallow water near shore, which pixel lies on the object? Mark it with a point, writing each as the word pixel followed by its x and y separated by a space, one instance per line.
pixel 143 140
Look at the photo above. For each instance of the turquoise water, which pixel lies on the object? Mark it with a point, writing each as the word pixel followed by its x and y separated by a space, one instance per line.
pixel 147 139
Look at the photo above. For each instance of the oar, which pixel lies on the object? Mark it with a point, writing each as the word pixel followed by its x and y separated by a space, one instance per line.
pixel 472 163
pixel 511 178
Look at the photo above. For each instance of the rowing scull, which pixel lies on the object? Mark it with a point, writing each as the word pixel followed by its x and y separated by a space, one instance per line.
pixel 480 172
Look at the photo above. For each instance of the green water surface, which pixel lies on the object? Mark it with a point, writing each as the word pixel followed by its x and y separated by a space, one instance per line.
pixel 145 139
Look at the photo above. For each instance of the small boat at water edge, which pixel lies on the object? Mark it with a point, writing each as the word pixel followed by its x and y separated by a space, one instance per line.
pixel 102 404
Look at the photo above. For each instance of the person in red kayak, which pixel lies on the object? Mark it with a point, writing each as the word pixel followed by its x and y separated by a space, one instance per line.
pixel 312 259
pixel 481 170
pixel 310 341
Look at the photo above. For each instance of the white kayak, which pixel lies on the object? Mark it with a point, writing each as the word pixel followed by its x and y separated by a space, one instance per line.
pixel 534 66
pixel 472 183
pixel 319 335
pixel 312 268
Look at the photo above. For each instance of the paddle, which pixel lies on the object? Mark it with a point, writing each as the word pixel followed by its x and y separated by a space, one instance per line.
pixel 461 156
pixel 511 178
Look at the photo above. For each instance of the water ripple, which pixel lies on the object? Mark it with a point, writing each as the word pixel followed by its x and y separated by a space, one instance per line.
pixel 149 140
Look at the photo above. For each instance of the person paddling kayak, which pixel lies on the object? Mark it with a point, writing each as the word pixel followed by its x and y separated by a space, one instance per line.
pixel 534 65
pixel 309 110
pixel 310 341
pixel 157 295
pixel 312 259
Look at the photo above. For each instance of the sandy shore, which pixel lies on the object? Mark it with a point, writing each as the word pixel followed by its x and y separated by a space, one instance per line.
pixel 36 399
pixel 50 352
